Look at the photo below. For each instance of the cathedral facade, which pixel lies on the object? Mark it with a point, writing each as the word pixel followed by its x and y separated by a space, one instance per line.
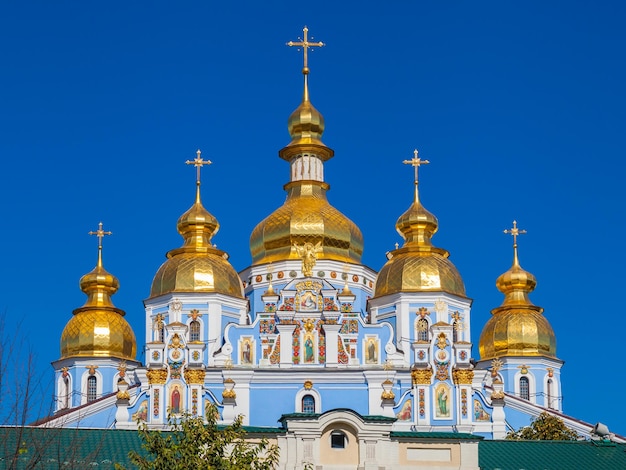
pixel 307 332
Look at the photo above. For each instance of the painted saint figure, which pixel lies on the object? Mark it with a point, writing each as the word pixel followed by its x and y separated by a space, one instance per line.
pixel 442 401
pixel 246 355
pixel 308 350
pixel 371 352
pixel 175 401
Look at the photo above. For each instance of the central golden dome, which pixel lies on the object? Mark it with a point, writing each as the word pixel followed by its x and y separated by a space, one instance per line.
pixel 197 266
pixel 306 215
pixel 517 327
pixel 418 266
pixel 98 328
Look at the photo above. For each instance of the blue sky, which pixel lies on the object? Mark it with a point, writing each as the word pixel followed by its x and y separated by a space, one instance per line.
pixel 519 106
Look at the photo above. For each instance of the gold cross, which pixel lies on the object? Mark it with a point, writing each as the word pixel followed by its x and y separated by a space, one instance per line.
pixel 100 234
pixel 198 162
pixel 305 44
pixel 515 232
pixel 416 162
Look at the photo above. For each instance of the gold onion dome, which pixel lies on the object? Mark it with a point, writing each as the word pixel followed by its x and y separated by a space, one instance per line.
pixel 517 327
pixel 197 266
pixel 98 328
pixel 306 215
pixel 418 266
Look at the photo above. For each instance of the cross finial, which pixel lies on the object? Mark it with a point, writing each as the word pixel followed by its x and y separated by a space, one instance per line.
pixel 100 233
pixel 515 232
pixel 305 44
pixel 198 162
pixel 416 162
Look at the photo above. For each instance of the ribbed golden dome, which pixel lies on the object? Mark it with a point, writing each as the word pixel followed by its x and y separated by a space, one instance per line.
pixel 418 266
pixel 306 216
pixel 197 266
pixel 98 328
pixel 306 124
pixel 517 327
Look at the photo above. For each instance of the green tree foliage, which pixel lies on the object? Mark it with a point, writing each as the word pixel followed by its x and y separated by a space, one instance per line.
pixel 545 427
pixel 193 443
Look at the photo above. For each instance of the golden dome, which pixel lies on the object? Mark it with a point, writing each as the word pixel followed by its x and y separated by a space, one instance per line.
pixel 197 266
pixel 517 327
pixel 306 216
pixel 98 328
pixel 418 266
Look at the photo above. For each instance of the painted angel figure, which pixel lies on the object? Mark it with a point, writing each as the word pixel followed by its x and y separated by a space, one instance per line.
pixel 308 252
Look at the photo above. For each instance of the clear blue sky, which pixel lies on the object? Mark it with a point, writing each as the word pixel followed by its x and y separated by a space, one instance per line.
pixel 519 106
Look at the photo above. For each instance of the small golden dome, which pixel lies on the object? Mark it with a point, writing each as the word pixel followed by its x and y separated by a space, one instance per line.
pixel 419 271
pixel 306 124
pixel 98 332
pixel 98 328
pixel 418 266
pixel 517 327
pixel 197 266
pixel 306 216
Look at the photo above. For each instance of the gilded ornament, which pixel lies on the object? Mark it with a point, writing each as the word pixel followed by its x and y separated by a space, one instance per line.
pixel 308 252
pixel 123 395
pixel 441 341
pixel 157 376
pixel 194 376
pixel 422 312
pixel 91 369
pixel 122 369
pixel 496 365
pixel 176 342
pixel 463 376
pixel 194 314
pixel 440 306
pixel 64 372
pixel 309 325
pixel 176 305
pixel 229 394
pixel 523 369
pixel 421 376
pixel 550 372
pixel 308 385
pixel 387 395
pixel 497 395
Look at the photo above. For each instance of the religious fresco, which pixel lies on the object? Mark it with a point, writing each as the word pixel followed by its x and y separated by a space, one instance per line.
pixel 442 401
pixel 246 348
pixel 371 350
pixel 175 399
pixel 479 412
pixel 405 412
pixel 142 412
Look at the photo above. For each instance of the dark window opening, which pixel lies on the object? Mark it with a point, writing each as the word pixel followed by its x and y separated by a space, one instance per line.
pixel 338 440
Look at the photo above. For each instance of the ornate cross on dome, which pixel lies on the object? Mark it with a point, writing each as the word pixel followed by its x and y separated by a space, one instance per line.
pixel 416 162
pixel 305 44
pixel 514 232
pixel 198 162
pixel 100 233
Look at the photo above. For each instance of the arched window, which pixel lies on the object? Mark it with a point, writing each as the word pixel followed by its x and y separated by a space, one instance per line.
pixel 455 332
pixel 524 388
pixel 92 388
pixel 422 329
pixel 338 440
pixel 308 404
pixel 549 392
pixel 194 331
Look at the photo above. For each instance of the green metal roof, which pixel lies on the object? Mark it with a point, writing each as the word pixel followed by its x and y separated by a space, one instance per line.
pixel 434 435
pixel 54 448
pixel 551 455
